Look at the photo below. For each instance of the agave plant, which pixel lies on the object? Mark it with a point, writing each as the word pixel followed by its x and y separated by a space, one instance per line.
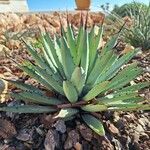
pixel 138 32
pixel 84 78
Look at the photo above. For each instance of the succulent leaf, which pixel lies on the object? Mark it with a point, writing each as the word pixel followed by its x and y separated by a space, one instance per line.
pixel 66 113
pixel 67 60
pixel 115 67
pixel 50 80
pixel 94 40
pixel 135 87
pixel 36 57
pixel 48 48
pixel 119 82
pixel 99 66
pixel 117 98
pixel 70 91
pixel 81 44
pixel 78 79
pixel 125 71
pixel 25 86
pixel 52 51
pixel 136 100
pixel 94 108
pixel 28 109
pixel 129 107
pixel 85 54
pixel 94 124
pixel 106 67
pixel 71 42
pixel 96 90
pixel 36 76
pixel 111 43
pixel 36 98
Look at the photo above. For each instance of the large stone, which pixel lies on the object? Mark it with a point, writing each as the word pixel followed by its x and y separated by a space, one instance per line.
pixel 13 6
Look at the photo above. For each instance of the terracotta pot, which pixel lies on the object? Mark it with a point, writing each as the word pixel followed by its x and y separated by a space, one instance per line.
pixel 83 4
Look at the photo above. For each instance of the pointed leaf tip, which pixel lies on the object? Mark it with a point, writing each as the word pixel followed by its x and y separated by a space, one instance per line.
pixel 66 113
pixel 94 124
pixel 70 91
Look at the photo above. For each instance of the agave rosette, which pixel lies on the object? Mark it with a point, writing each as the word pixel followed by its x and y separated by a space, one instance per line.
pixel 89 79
pixel 138 34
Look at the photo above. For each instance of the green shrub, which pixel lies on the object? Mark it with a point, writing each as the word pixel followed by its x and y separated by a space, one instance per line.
pixel 137 28
pixel 84 79
pixel 138 34
pixel 125 9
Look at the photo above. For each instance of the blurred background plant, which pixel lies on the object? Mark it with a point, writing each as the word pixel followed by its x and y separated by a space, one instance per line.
pixel 125 9
pixel 139 32
pixel 137 18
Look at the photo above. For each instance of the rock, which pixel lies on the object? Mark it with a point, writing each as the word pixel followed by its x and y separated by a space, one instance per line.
pixel 78 146
pixel 21 146
pixel 14 19
pixel 86 133
pixel 108 115
pixel 143 121
pixel 3 21
pixel 136 136
pixel 116 116
pixel 7 129
pixel 25 135
pixel 72 139
pixel 147 69
pixel 54 21
pixel 4 147
pixel 51 140
pixel 31 19
pixel 139 54
pixel 86 145
pixel 148 124
pixel 68 144
pixel 112 129
pixel 117 144
pixel 125 140
pixel 11 148
pixel 120 124
pixel 130 117
pixel 60 126
pixel 2 86
pixel 98 18
pixel 13 44
pixel 40 131
pixel 139 128
pixel 127 48
pixel 147 95
pixel 105 144
pixel 2 48
pixel 75 19
pixel 47 120
pixel 144 136
pixel 134 146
